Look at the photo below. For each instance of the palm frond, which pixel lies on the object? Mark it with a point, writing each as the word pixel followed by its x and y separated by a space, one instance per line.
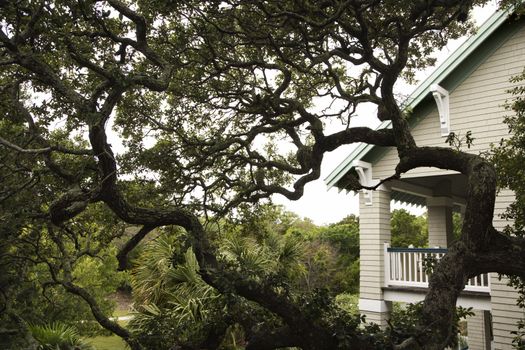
pixel 58 336
pixel 252 258
pixel 291 251
pixel 151 271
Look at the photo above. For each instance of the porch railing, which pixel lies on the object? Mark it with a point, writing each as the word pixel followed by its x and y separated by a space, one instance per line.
pixel 406 267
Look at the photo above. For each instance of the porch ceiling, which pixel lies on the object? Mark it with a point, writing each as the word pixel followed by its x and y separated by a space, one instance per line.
pixel 407 198
pixel 415 190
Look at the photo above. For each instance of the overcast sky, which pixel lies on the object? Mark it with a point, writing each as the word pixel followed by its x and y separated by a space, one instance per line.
pixel 323 206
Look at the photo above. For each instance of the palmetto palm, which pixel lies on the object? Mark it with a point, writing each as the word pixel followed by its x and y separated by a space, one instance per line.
pixel 264 257
pixel 58 336
pixel 174 298
pixel 158 284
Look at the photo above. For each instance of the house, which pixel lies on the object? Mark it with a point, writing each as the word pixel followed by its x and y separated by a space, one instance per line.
pixel 466 93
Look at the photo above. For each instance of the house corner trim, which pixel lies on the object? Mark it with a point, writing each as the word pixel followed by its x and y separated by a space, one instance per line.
pixel 373 305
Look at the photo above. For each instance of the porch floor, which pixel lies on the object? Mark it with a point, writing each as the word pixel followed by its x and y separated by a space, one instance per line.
pixel 409 294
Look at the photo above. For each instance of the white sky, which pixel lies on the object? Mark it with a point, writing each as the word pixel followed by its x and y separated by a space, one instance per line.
pixel 323 206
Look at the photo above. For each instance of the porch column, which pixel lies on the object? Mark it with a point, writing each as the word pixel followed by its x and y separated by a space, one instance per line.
pixel 440 226
pixel 374 231
pixel 479 334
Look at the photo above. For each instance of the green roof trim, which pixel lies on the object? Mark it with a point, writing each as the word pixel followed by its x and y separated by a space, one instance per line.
pixel 457 58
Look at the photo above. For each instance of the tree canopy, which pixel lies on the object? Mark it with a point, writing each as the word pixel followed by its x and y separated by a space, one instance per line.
pixel 216 106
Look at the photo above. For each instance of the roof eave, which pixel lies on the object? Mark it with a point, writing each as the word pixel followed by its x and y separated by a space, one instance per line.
pixel 448 66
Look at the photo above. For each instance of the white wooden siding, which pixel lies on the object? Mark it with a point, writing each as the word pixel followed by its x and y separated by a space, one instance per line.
pixel 477 332
pixel 476 105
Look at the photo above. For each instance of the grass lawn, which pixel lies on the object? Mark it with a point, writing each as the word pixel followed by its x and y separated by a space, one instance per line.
pixel 108 343
pixel 120 312
pixel 112 342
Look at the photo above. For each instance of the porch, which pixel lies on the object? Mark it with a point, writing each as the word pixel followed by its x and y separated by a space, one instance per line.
pixel 394 274
pixel 407 273
pixel 410 267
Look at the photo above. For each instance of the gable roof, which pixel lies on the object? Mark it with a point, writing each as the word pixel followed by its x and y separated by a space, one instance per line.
pixel 460 57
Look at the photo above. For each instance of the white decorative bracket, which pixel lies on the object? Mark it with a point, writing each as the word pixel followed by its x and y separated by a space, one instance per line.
pixel 442 100
pixel 364 171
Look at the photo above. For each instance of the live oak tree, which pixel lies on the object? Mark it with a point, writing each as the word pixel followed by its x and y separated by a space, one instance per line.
pixel 216 105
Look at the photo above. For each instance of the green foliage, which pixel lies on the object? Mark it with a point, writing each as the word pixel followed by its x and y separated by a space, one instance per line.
pixel 274 256
pixel 320 261
pixel 404 322
pixel 174 305
pixel 518 341
pixel 509 157
pixel 457 141
pixel 348 302
pixel 262 219
pixel 408 229
pixel 337 314
pixel 172 301
pixel 35 264
pixel 14 332
pixel 457 223
pixel 201 94
pixel 58 336
pixel 331 255
pixel 268 238
pixel 429 263
pixel 344 236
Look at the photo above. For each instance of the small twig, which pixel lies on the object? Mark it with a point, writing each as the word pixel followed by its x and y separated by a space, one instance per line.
pixel 375 187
